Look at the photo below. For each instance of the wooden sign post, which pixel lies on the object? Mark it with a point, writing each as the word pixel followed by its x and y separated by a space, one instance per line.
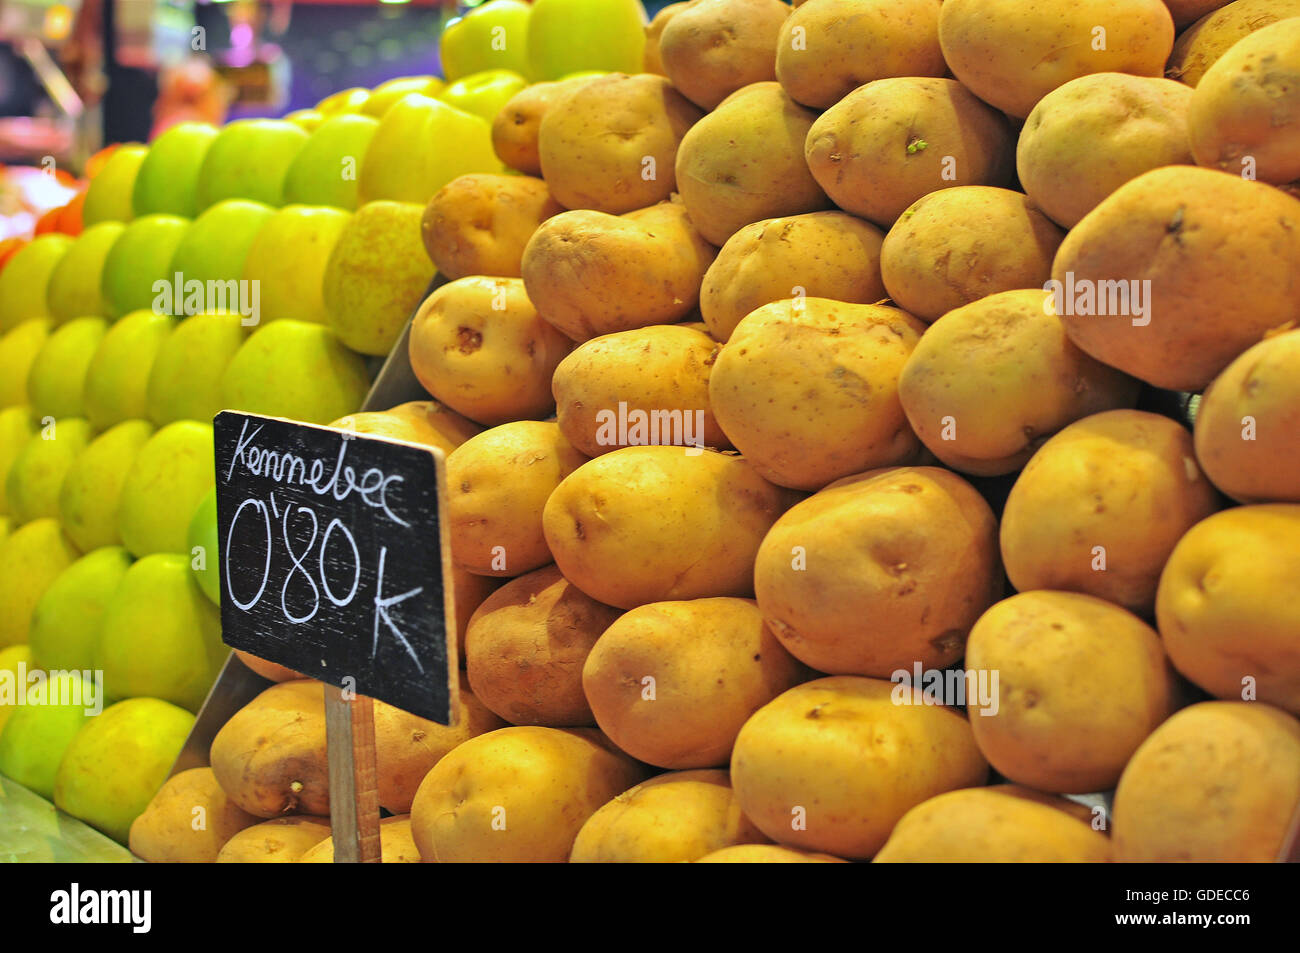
pixel 335 563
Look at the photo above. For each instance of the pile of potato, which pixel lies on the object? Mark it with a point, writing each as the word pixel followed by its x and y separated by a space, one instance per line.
pixel 824 239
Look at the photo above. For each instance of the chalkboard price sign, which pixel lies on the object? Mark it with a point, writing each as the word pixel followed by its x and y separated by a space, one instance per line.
pixel 333 559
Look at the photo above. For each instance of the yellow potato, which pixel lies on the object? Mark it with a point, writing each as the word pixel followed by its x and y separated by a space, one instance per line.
pixel 1055 655
pixel 479 224
pixel 515 128
pixel 1151 280
pixel 880 571
pixel 832 764
pixel 417 421
pixel 989 382
pixel 396 844
pixel 807 389
pixel 828 48
pixel 1087 138
pixel 1226 607
pixel 469 589
pixel 1012 57
pixel 888 143
pixel 612 145
pixel 1248 421
pixel 188 821
pixel 479 346
pixel 698 539
pixel 268 670
pixel 671 683
pixel 644 386
pixel 1237 763
pixel 818 255
pixel 589 273
pixel 283 840
pixel 710 50
pixel 526 646
pixel 744 163
pixel 1187 12
pixel 674 818
pixel 1201 45
pixel 652 62
pixel 1099 508
pixel 999 824
pixel 518 795
pixel 767 854
pixel 497 486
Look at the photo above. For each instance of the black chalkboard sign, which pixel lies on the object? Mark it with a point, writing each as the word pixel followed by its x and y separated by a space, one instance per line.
pixel 334 559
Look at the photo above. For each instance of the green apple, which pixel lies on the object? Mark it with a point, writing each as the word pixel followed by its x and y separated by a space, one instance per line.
pixel 16 429
pixel 31 557
pixel 344 101
pixel 166 482
pixel 493 36
pixel 305 119
pixel 117 380
pixel 92 488
pixel 37 474
pixel 25 278
pixel 40 731
pixel 216 245
pixel 326 170
pixel 118 761
pixel 18 349
pixel 248 160
pixel 168 180
pixel 109 197
pixel 75 289
pixel 56 381
pixel 205 560
pixel 565 36
pixel 376 277
pixel 383 96
pixel 185 380
pixel 296 370
pixel 66 622
pixel 288 258
pixel 483 94
pixel 141 256
pixel 412 154
pixel 10 659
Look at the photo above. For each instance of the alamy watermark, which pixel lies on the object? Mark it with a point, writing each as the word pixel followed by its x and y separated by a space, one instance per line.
pixel 948 687
pixel 57 687
pixel 638 428
pixel 182 297
pixel 1083 297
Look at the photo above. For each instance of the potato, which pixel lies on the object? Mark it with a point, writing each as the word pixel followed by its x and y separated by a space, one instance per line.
pixel 632 388
pixel 1187 12
pixel 697 538
pixel 1237 763
pixel 612 145
pixel 470 589
pixel 1087 138
pixel 652 62
pixel 828 48
pixel 590 273
pixel 497 486
pixel 396 844
pixel 1201 45
pixel 955 246
pixel 807 389
pixel 744 163
pixel 518 795
pixel 283 840
pixel 270 756
pixel 710 50
pixel 888 143
pixel 479 224
pixel 1226 606
pixel 999 824
pixel 1245 114
pixel 1248 421
pixel 880 571
pixel 1150 282
pixel 674 818
pixel 268 670
pixel 526 646
pixel 408 746
pixel 417 421
pixel 767 854
pixel 671 683
pixel 479 346
pixel 819 255
pixel 188 821
pixel 1099 508
pixel 1056 653
pixel 1011 57
pixel 990 381
pixel 515 128
pixel 831 765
